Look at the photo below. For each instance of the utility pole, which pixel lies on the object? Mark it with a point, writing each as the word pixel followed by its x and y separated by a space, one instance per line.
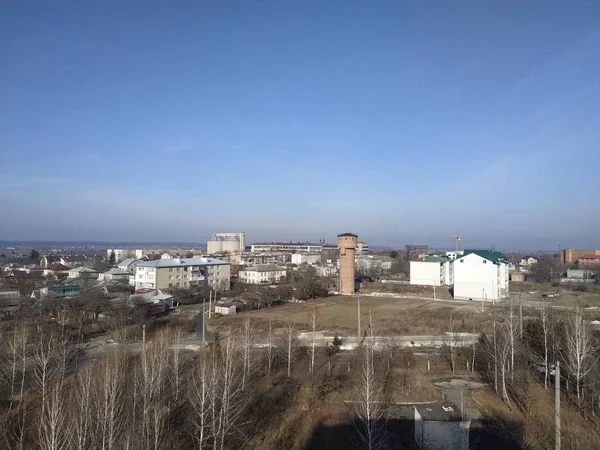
pixel 144 334
pixel 520 316
pixel 203 324
pixel 557 406
pixel 434 292
pixel 209 304
pixel 358 311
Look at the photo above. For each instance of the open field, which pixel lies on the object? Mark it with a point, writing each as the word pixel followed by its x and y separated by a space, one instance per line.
pixel 391 316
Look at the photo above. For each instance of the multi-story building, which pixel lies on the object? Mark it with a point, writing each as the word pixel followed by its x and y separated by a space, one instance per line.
pixel 431 270
pixel 362 248
pixel 226 243
pixel 306 258
pixel 481 275
pixel 263 274
pixel 589 262
pixel 188 273
pixel 571 255
pixel 292 247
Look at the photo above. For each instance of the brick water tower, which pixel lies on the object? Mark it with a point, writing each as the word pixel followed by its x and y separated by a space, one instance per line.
pixel 347 246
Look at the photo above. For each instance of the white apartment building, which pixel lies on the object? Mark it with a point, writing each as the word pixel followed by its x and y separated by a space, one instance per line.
pixel 286 247
pixel 226 243
pixel 431 271
pixel 263 274
pixel 306 258
pixel 185 273
pixel 362 248
pixel 480 275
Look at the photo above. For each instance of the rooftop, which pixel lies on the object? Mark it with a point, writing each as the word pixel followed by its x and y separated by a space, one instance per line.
pixel 264 268
pixel 184 262
pixel 490 255
pixel 347 234
pixel 434 258
pixel 317 244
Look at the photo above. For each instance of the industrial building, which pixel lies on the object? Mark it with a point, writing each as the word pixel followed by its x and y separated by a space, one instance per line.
pixel 188 273
pixel 226 243
pixel 347 246
pixel 286 247
pixel 571 255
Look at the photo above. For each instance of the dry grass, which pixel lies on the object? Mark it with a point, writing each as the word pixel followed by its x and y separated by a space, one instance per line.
pixel 533 426
pixel 392 316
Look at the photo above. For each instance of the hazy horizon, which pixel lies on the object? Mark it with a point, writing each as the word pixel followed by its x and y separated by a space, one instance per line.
pixel 400 121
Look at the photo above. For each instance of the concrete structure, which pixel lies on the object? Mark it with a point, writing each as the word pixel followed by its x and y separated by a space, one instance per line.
pixel 187 273
pixel 306 258
pixel 481 275
pixel 286 247
pixel 571 256
pixel 589 261
pixel 83 272
pixel 347 246
pixel 226 243
pixel 431 271
pixel 439 427
pixel 362 248
pixel 517 276
pixel 263 274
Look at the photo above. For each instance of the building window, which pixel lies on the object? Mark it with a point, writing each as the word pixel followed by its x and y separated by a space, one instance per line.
pixel 170 277
pixel 462 260
pixel 170 284
pixel 485 261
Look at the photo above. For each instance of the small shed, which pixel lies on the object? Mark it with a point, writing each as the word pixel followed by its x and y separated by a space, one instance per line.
pixel 225 309
pixel 167 299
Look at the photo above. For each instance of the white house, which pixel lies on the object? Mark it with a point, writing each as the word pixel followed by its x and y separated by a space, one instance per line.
pixel 306 257
pixel 263 274
pixel 226 309
pixel 431 271
pixel 480 275
pixel 188 273
pixel 528 261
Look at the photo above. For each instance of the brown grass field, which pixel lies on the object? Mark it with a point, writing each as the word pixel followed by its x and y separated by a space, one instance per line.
pixel 391 315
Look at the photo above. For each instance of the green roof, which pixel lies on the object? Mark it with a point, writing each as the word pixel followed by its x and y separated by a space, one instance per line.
pixel 490 255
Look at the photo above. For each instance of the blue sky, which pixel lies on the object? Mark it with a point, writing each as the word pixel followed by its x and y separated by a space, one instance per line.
pixel 401 121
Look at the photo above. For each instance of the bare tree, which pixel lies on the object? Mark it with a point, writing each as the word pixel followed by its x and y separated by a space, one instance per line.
pixel 503 353
pixel 544 320
pixel 270 345
pixel 370 419
pixel 513 333
pixel 83 417
pixel 176 365
pixel 16 351
pixel 289 344
pixel 314 326
pixel 451 346
pixel 247 334
pixel 580 347
pixel 200 399
pixel 109 400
